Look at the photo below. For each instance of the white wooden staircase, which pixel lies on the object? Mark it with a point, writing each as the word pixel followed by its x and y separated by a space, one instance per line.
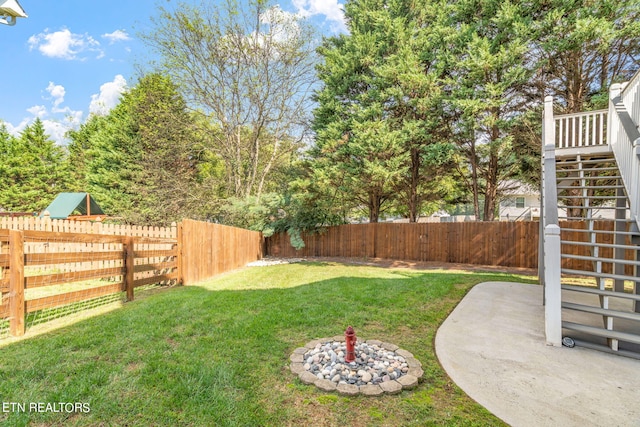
pixel 590 234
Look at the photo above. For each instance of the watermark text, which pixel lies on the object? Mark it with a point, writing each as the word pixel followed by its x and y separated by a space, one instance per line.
pixel 42 407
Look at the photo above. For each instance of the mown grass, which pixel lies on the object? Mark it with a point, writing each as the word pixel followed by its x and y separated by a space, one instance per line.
pixel 218 354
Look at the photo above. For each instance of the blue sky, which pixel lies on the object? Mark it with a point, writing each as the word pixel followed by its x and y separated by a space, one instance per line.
pixel 70 58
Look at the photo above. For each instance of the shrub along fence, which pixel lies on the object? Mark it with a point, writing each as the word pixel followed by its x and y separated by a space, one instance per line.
pixel 46 274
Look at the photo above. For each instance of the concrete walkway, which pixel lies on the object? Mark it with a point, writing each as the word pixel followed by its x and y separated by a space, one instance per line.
pixel 493 347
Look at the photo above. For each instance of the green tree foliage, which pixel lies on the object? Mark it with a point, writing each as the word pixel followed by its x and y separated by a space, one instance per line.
pixel 33 169
pixel 299 206
pixel 491 69
pixel 143 159
pixel 80 149
pixel 378 121
pixel 581 48
pixel 584 46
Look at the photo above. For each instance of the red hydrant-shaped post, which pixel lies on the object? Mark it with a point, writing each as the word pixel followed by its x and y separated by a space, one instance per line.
pixel 350 339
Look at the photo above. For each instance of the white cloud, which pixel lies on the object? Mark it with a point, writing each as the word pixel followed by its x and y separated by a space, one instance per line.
pixel 15 130
pixel 109 96
pixel 330 9
pixel 117 36
pixel 64 44
pixel 57 92
pixel 56 130
pixel 38 111
pixel 283 24
pixel 57 120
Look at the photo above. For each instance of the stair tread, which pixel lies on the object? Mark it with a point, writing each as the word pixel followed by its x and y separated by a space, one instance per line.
pixel 625 295
pixel 629 315
pixel 604 168
pixel 592 207
pixel 575 178
pixel 579 218
pixel 598 244
pixel 601 332
pixel 612 232
pixel 594 187
pixel 592 197
pixel 601 259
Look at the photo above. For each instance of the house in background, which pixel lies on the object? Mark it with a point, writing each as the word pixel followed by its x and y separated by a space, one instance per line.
pixel 520 202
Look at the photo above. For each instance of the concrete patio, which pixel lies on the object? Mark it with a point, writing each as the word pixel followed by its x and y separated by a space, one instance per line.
pixel 493 347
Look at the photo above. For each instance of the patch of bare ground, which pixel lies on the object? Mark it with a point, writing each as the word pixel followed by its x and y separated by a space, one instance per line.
pixel 424 265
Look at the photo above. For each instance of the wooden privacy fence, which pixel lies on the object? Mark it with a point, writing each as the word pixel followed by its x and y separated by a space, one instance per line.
pixel 44 270
pixel 210 249
pixel 510 244
pixel 85 227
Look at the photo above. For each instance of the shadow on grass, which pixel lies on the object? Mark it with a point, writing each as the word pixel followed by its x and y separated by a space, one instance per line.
pixel 202 356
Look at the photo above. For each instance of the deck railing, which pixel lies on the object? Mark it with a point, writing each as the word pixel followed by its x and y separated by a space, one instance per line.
pixel 579 130
pixel 624 111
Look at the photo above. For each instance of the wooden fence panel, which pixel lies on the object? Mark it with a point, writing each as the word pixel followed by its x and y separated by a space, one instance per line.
pixel 210 249
pixel 509 244
pixel 85 227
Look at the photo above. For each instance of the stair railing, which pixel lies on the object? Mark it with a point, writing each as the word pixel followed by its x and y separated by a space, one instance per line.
pixel 624 137
pixel 549 258
pixel 580 130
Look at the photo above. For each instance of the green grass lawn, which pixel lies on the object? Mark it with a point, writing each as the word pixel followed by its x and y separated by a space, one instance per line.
pixel 218 354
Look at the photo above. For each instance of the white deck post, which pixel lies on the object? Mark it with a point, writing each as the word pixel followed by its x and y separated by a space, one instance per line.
pixel 553 305
pixel 550 231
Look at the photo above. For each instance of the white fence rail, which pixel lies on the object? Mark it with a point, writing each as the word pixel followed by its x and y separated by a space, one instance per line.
pixel 581 129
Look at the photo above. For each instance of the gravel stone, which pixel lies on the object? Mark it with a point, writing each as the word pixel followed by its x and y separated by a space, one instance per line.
pixel 379 367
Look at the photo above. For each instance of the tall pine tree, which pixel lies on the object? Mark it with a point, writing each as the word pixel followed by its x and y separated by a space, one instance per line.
pixel 34 169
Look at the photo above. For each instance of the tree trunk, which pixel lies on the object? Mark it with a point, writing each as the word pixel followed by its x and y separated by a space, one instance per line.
pixel 374 207
pixel 475 188
pixel 491 190
pixel 413 187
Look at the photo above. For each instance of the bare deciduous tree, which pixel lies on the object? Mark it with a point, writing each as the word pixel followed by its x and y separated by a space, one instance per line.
pixel 250 69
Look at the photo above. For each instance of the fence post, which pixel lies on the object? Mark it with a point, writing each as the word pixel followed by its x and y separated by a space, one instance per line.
pixel 128 266
pixel 553 298
pixel 180 246
pixel 16 283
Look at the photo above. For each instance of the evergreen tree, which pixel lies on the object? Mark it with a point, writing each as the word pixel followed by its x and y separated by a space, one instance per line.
pixel 492 67
pixel 143 159
pixel 359 151
pixel 80 148
pixel 34 169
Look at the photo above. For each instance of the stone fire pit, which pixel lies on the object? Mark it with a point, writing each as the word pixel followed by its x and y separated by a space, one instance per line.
pixel 379 367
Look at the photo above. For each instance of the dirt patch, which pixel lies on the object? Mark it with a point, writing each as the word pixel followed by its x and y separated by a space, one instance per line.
pixel 423 265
